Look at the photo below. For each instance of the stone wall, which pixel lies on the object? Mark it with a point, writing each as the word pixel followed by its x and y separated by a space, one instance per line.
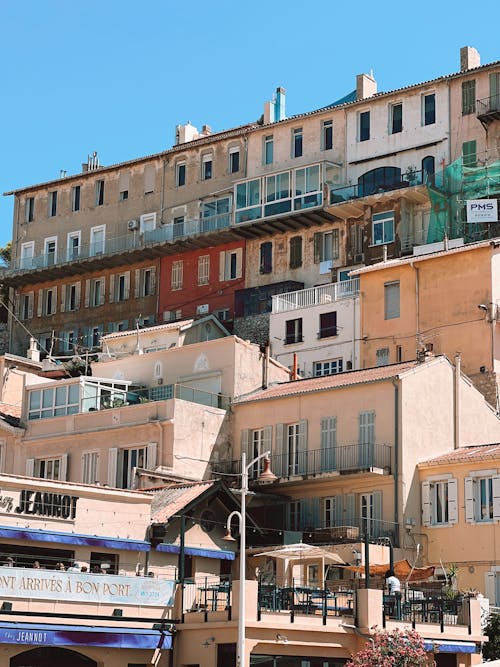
pixel 254 328
pixel 487 384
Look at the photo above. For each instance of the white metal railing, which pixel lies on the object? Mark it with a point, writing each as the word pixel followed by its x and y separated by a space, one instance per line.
pixel 315 296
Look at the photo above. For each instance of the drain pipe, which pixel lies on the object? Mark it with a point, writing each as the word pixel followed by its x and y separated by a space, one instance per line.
pixel 456 402
pixel 396 453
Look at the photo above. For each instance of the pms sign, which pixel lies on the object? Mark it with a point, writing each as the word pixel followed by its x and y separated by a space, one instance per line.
pixel 482 210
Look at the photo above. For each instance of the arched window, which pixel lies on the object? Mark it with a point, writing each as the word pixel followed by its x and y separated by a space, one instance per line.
pixel 428 169
pixel 378 180
pixel 158 372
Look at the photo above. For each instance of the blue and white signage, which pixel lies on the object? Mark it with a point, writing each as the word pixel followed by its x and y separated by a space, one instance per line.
pixel 17 582
pixel 482 210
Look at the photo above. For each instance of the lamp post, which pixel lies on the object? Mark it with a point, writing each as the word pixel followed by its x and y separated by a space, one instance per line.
pixel 265 476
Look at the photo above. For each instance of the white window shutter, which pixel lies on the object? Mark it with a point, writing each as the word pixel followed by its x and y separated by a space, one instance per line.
pixel 151 455
pixel 245 440
pixel 137 283
pixel 31 302
pixel 469 500
pixel 267 442
pixel 63 468
pixel 30 467
pixel 112 465
pixel 426 503
pixel 496 497
pixel 377 512
pixel 153 279
pixel 339 511
pixel 111 288
pixel 87 293
pixel 239 262
pixel 452 501
pixel 63 298
pixel 103 290
pixel 54 301
pixel 302 450
pixel 222 265
pixel 280 428
pixel 39 306
pixel 78 294
pixel 490 586
pixel 127 285
pixel 350 506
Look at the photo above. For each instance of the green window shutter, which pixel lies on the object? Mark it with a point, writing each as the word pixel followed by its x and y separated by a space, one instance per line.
pixel 318 244
pixel 469 153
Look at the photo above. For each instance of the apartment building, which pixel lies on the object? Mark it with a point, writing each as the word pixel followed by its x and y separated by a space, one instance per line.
pixel 303 197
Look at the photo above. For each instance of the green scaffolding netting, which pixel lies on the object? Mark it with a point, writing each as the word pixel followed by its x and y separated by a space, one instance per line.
pixel 451 187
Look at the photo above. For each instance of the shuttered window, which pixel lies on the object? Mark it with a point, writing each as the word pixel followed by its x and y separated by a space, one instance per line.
pixel 391 300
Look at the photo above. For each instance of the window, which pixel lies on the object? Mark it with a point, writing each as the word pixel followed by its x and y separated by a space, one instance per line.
pixel 26 312
pixel 382 356
pixel 180 174
pixel 29 209
pixel 329 367
pixel 256 442
pixel 68 339
pixel 429 109
pixel 231 264
pixel 203 269
pixel 295 252
pixel 177 274
pixel 99 193
pixel 366 437
pixel 206 167
pixel 147 222
pixel 127 460
pixel 215 214
pixel 52 204
pixel 104 563
pixel 266 257
pixel 327 325
pixel 428 169
pixel 149 179
pixel 53 401
pixel 327 135
pixel 293 448
pixel 74 240
pixel 121 288
pixel 396 118
pixel 248 201
pixel 379 179
pixel 71 296
pixel 297 138
pixel 308 189
pixel 332 512
pixel 391 300
pixel 49 469
pixel 27 252
pixel 223 315
pixel 468 97
pixel 399 354
pixel 123 196
pixel 364 126
pixel 293 331
pixel 97 240
pixel 90 463
pixel 278 194
pixel 49 301
pixel 370 509
pixel 439 502
pixel 326 246
pixel 295 519
pixel 383 227
pixel 482 496
pixel 50 251
pixel 268 149
pixel 234 160
pixel 145 282
pixel 178 227
pixel 97 292
pixel 469 155
pixel 75 198
pixel 328 442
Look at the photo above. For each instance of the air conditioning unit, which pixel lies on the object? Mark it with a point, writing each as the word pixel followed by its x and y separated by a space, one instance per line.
pixel 359 258
pixel 203 309
pixel 132 225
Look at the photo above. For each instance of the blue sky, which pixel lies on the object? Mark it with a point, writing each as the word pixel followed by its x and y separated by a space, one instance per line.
pixel 117 77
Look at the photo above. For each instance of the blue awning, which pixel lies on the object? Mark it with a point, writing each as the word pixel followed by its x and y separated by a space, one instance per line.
pixel 221 554
pixel 56 537
pixel 450 646
pixel 33 634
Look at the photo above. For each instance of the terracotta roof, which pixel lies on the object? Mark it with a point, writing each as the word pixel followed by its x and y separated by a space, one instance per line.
pixel 171 500
pixel 158 327
pixel 466 455
pixel 337 381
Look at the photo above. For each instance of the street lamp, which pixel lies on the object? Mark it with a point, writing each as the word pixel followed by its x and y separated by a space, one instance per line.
pixel 265 476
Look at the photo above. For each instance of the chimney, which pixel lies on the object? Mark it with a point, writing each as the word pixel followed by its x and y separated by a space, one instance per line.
pixel 185 133
pixel 366 86
pixel 469 58
pixel 33 352
pixel 275 110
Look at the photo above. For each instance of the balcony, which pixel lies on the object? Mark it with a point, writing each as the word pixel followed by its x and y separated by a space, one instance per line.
pixel 258 300
pixel 342 459
pixel 315 296
pixel 488 109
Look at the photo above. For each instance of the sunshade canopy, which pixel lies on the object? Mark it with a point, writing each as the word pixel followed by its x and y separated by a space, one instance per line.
pixel 303 552
pixel 402 569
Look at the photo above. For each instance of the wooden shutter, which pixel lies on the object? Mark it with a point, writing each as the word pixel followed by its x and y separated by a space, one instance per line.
pixel 63 298
pixel 222 266
pixel 470 514
pixel 112 465
pixel 39 306
pixel 103 291
pixel 137 283
pixel 151 454
pixel 87 293
pixel 63 468
pixel 496 497
pixel 490 586
pixel 280 467
pixel 302 447
pixel 350 506
pixel 31 303
pixel 335 244
pixel 239 262
pixel 54 300
pixel 111 288
pixel 318 247
pixel 315 513
pixel 153 280
pixel 452 501
pixel 377 514
pixel 78 294
pixel 426 503
pixel 127 285
pixel 339 511
pixel 245 441
pixel 267 442
pixel 30 467
pixel 391 294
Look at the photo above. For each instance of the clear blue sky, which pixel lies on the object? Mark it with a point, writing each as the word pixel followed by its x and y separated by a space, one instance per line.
pixel 117 76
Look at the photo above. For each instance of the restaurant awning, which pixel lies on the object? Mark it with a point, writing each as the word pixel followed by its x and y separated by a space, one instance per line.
pixel 221 554
pixel 302 551
pixel 402 569
pixel 56 537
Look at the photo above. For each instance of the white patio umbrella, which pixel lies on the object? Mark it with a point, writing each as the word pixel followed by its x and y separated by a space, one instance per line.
pixel 302 551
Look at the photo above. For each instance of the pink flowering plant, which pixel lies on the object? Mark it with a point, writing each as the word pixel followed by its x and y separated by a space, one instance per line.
pixel 393 649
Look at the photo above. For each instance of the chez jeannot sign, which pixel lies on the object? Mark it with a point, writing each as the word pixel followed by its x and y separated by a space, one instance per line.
pixel 40 503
